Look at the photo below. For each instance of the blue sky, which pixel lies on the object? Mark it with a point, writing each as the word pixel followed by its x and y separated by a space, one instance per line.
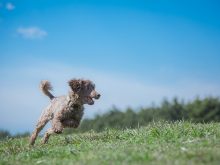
pixel 136 51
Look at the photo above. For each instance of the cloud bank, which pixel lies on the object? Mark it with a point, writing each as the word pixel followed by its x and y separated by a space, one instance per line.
pixel 31 32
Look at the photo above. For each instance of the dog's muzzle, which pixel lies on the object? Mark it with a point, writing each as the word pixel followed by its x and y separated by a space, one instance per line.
pixel 95 95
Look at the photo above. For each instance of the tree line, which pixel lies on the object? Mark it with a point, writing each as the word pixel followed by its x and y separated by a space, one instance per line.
pixel 6 134
pixel 198 110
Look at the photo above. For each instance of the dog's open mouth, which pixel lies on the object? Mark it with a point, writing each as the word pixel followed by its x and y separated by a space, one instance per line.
pixel 90 101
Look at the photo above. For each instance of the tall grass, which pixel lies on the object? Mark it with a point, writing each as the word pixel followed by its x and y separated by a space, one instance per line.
pixel 157 143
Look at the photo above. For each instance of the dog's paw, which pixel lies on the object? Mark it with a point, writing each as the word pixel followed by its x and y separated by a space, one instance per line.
pixel 58 131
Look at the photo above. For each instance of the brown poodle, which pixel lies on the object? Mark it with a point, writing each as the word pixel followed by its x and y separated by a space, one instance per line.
pixel 65 111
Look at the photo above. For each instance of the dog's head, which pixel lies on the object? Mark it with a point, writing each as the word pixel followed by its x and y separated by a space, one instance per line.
pixel 85 89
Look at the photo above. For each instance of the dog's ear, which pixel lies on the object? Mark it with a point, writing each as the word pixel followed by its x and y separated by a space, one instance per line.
pixel 75 85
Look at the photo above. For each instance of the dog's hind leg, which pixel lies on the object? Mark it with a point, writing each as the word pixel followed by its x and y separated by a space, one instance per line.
pixel 39 127
pixel 57 127
pixel 49 132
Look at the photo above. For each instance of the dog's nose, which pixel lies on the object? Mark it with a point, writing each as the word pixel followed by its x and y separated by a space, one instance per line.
pixel 98 96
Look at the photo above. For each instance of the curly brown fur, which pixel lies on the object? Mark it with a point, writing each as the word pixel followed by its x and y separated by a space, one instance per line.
pixel 45 87
pixel 65 111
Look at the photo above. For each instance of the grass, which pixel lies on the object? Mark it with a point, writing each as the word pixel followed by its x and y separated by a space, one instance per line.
pixel 158 143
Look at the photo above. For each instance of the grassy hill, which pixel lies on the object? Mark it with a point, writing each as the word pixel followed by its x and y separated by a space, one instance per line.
pixel 157 143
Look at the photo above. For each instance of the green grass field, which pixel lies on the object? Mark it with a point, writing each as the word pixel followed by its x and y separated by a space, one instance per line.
pixel 157 143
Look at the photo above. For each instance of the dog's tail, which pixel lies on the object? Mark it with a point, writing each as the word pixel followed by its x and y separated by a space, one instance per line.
pixel 46 87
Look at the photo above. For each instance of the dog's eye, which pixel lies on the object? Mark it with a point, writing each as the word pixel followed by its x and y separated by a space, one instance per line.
pixel 78 88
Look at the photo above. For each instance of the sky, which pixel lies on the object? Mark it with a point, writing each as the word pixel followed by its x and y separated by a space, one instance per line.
pixel 137 52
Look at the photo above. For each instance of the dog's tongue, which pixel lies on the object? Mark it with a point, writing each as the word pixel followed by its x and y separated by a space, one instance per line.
pixel 90 100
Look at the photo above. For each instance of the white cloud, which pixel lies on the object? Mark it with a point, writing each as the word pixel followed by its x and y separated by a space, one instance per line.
pixel 32 32
pixel 10 6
